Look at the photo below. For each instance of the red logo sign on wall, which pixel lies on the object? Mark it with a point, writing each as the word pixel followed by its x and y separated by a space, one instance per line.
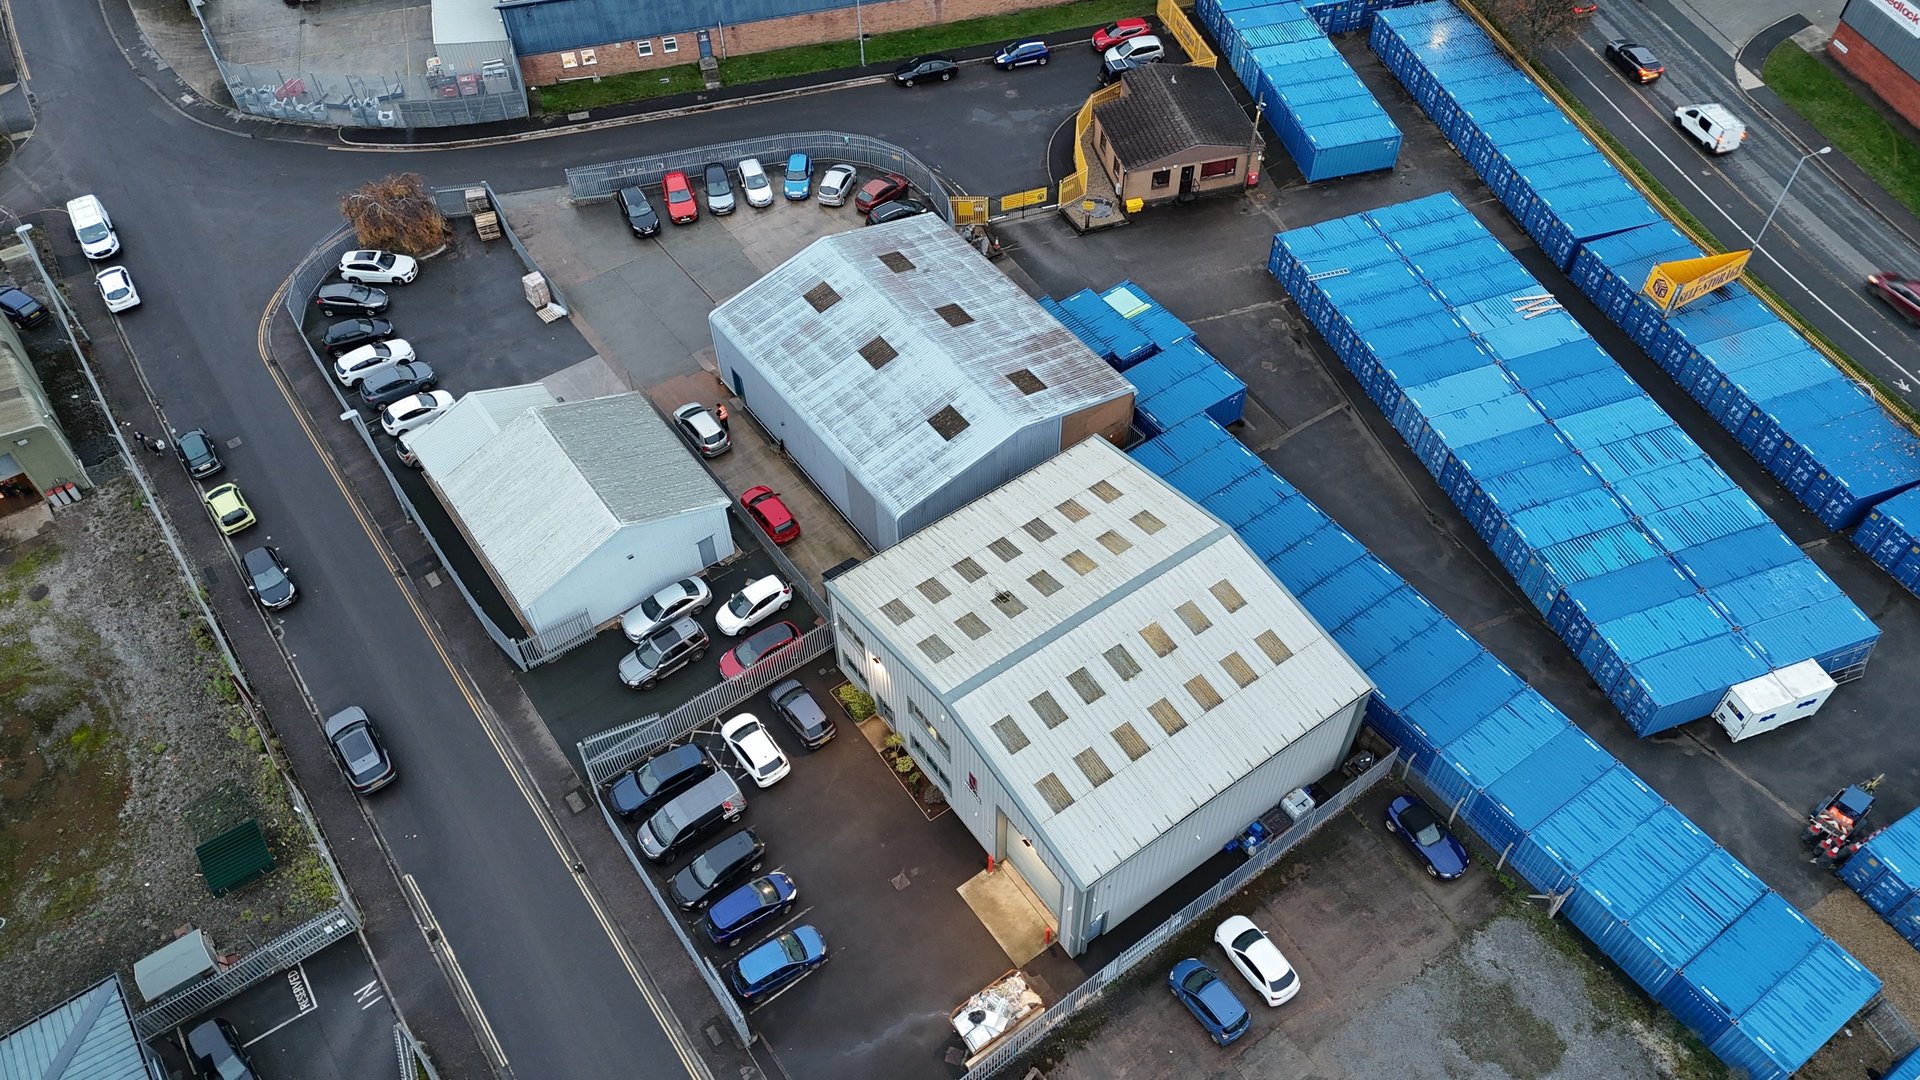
pixel 1904 12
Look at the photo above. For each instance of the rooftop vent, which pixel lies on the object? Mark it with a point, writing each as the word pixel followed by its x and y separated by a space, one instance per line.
pixel 1122 662
pixel 1039 529
pixel 1004 548
pixel 933 590
pixel 822 296
pixel 1147 523
pixel 1168 717
pixel 1105 490
pixel 972 625
pixel 1130 741
pixel 954 314
pixel 1228 596
pixel 1008 603
pixel 1010 734
pixel 1048 710
pixel 1073 510
pixel 1275 649
pixel 897 262
pixel 935 649
pixel 1055 792
pixel 948 422
pixel 1094 769
pixel 899 612
pixel 1026 381
pixel 877 352
pixel 1043 583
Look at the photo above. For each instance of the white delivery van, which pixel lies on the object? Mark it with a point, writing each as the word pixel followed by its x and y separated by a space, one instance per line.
pixel 1714 126
pixel 93 227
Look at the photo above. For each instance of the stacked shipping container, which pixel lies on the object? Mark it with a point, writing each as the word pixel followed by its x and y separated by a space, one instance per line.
pixel 1886 874
pixel 1173 377
pixel 1891 537
pixel 1665 580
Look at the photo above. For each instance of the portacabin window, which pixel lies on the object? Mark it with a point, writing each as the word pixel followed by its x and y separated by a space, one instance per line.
pixel 669 45
pixel 1213 170
pixel 1162 178
pixel 643 48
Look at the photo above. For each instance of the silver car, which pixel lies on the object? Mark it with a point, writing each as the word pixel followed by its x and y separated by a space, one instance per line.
pixel 835 185
pixel 683 598
pixel 664 652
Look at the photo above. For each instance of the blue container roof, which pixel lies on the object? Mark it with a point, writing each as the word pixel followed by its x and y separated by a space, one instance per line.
pixel 1646 862
pixel 1664 628
pixel 1456 392
pixel 1412 670
pixel 1638 587
pixel 1703 668
pixel 1247 498
pixel 1598 819
pixel 1760 345
pixel 1611 423
pixel 1825 629
pixel 1514 450
pixel 1303 564
pixel 1475 691
pixel 1539 370
pixel 1753 954
pixel 1601 552
pixel 1658 241
pixel 1642 453
pixel 1673 485
pixel 1168 367
pixel 1347 592
pixel 1537 485
pixel 1499 743
pixel 1549 778
pixel 1739 555
pixel 1388 625
pixel 1773 592
pixel 1697 906
pixel 1707 518
pixel 1817 998
pixel 1569 518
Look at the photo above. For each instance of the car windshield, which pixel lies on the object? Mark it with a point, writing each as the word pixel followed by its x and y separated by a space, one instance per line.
pixel 233 516
pixel 1196 979
pixel 94 233
pixel 706 869
pixel 650 654
pixel 652 608
pixel 1247 939
pixel 741 604
pixel 116 287
pixel 757 646
pixel 1904 291
pixel 679 195
pixel 755 180
pixel 193 444
pixel 385 261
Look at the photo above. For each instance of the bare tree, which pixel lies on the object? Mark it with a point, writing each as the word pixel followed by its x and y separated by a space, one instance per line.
pixel 1536 26
pixel 396 213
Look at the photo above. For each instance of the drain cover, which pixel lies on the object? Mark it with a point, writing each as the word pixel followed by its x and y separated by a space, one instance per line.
pixel 900 881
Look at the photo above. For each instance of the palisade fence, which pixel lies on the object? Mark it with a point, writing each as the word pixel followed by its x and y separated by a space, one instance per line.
pixel 1087 992
pixel 587 183
pixel 275 956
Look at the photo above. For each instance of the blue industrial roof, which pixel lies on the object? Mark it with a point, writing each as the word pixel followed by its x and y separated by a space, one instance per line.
pixel 90 1037
pixel 543 26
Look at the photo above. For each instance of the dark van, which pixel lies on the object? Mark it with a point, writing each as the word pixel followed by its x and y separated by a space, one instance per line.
pixel 691 815
pixel 659 778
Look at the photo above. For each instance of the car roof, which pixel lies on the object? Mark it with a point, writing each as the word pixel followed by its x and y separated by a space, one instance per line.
pixel 764 586
pixel 259 558
pixel 748 899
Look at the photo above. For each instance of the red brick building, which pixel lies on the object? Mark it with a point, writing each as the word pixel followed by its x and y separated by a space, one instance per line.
pixel 1878 41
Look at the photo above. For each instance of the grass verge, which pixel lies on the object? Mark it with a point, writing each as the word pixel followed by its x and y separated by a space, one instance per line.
pixel 1856 128
pixel 581 94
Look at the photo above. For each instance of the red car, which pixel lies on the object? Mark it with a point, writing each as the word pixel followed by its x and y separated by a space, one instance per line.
pixel 764 643
pixel 880 189
pixel 1900 291
pixel 1584 9
pixel 681 206
pixel 1113 35
pixel 764 505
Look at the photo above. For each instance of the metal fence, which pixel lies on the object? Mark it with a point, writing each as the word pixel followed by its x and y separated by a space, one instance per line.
pixel 589 182
pixel 275 956
pixel 1891 1028
pixel 1084 994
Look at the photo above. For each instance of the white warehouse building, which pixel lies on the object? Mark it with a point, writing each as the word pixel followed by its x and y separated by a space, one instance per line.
pixel 1101 677
pixel 907 376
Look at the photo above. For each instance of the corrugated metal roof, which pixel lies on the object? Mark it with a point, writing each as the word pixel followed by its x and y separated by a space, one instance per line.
pixel 90 1037
pixel 458 22
pixel 475 418
pixel 540 26
pixel 1162 619
pixel 551 486
pixel 22 402
pixel 875 413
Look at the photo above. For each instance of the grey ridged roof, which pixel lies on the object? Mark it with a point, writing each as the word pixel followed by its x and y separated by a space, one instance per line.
pixel 876 409
pixel 475 418
pixel 90 1037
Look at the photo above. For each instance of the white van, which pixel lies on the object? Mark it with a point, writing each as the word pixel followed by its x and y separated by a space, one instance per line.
pixel 93 227
pixel 1714 126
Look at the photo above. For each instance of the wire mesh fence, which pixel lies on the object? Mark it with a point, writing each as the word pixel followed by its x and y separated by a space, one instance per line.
pixel 275 956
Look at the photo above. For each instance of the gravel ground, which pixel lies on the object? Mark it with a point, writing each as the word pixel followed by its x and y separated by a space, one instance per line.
pixel 115 713
pixel 1848 920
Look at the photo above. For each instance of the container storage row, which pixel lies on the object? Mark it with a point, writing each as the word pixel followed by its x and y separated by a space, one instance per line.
pixel 1682 917
pixel 1886 874
pixel 1611 520
pixel 1891 537
pixel 1110 335
pixel 1173 377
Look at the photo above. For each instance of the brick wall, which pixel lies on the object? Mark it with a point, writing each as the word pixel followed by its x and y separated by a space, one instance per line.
pixel 1871 66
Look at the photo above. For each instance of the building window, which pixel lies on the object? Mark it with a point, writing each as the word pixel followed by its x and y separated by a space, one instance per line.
pixel 920 754
pixel 846 631
pixel 569 60
pixel 1163 178
pixel 669 45
pixel 588 58
pixel 643 48
pixel 933 733
pixel 1213 170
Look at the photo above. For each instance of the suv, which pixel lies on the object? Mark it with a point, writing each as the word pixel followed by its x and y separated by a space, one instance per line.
pixel 640 791
pixel 746 907
pixel 692 814
pixel 390 384
pixel 268 578
pixel 716 868
pixel 664 652
pixel 349 298
pixel 701 430
pixel 792 703
pixel 217 1051
pixel 719 190
pixel 637 210
pixel 352 333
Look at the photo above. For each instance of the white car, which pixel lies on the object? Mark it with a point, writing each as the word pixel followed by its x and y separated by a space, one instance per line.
pixel 756 600
pixel 367 359
pixel 378 267
pixel 835 185
pixel 755 749
pixel 753 179
pixel 116 288
pixel 1140 50
pixel 412 412
pixel 688 596
pixel 1259 959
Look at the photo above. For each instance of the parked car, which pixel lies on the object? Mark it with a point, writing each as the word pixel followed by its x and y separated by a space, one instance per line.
pixel 763 504
pixel 352 333
pixel 726 862
pixel 217 1052
pixel 719 189
pixel 416 411
pixel 379 267
pixel 764 899
pixel 641 790
pixel 357 746
pixel 690 815
pixel 665 651
pixel 895 210
pixel 92 227
pixel 756 600
pixel 834 185
pixel 1584 10
pixel 682 599
pixel 367 359
pixel 1258 959
pixel 924 68
pixel 1898 290
pixel 116 288
pixel 753 747
pixel 347 298
pixel 769 966
pixel 1145 48
pixel 701 430
pixel 1439 853
pixel 793 703
pixel 1634 60
pixel 388 385
pixel 1211 1001
pixel 22 310
pixel 637 211
pixel 766 642
pixel 268 578
pixel 881 189
pixel 753 181
pixel 1712 126
pixel 229 509
pixel 1022 53
pixel 799 179
pixel 682 208
pixel 196 451
pixel 1112 70
pixel 403 450
pixel 1110 36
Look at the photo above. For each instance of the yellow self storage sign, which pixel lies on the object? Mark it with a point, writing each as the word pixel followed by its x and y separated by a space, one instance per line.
pixel 1675 284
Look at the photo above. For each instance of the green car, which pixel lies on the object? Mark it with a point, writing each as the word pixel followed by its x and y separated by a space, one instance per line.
pixel 229 508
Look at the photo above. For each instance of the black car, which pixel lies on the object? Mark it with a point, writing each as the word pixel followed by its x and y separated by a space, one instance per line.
pixel 357 746
pixel 924 68
pixel 792 703
pixel 349 298
pixel 353 333
pixel 1634 60
pixel 268 579
pixel 895 210
pixel 22 310
pixel 637 210
pixel 1111 70
pixel 217 1052
pixel 659 778
pixel 197 453
pixel 388 385
pixel 716 868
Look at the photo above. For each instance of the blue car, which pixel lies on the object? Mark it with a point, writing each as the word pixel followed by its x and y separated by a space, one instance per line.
pixel 746 907
pixel 769 966
pixel 1211 1001
pixel 1022 53
pixel 1443 856
pixel 799 177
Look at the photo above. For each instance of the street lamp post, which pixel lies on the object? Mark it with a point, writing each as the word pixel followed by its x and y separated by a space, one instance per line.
pixel 860 32
pixel 1804 158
